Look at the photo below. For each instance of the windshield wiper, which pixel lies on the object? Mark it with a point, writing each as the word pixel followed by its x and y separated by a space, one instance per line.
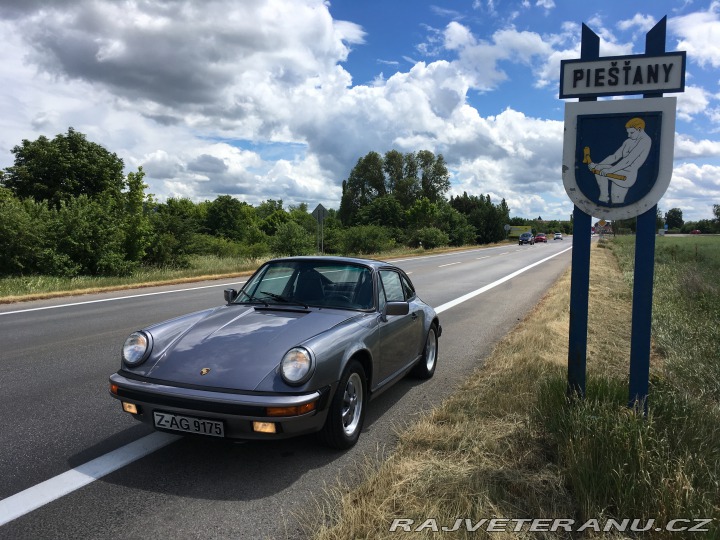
pixel 253 299
pixel 281 298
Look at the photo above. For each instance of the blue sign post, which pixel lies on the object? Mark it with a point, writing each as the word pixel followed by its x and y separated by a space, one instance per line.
pixel 580 276
pixel 617 164
pixel 644 271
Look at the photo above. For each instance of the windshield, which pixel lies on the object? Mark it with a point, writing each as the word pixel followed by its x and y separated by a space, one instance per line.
pixel 312 283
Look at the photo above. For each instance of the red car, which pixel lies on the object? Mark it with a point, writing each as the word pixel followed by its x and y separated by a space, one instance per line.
pixel 696 231
pixel 540 237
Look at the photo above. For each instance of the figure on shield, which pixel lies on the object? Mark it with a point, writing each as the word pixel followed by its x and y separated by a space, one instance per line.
pixel 621 168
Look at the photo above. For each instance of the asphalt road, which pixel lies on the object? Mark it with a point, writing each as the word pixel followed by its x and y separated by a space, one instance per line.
pixel 56 356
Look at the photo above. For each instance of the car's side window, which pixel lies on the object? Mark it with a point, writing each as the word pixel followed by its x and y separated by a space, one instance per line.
pixel 407 288
pixel 392 285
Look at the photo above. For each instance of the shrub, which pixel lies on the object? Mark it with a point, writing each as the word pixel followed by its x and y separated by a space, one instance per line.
pixel 429 237
pixel 292 239
pixel 366 239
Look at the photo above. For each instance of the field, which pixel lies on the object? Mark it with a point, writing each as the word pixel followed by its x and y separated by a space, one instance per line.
pixel 510 445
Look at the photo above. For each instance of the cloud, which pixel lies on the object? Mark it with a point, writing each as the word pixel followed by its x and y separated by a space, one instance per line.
pixel 172 59
pixel 545 4
pixel 644 23
pixel 256 99
pixel 694 189
pixel 699 35
pixel 693 101
pixel 689 148
pixel 480 60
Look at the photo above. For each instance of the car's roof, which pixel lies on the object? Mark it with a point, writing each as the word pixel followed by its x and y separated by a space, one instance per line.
pixel 336 259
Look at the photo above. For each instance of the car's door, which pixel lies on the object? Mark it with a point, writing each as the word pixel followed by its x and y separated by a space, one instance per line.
pixel 399 334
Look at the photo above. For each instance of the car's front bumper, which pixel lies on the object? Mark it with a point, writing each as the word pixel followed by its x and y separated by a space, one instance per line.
pixel 239 412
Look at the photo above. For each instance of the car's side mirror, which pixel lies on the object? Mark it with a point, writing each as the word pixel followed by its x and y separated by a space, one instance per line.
pixel 396 308
pixel 230 295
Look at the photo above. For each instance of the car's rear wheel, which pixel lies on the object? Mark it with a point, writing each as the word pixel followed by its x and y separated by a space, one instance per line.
pixel 347 409
pixel 426 367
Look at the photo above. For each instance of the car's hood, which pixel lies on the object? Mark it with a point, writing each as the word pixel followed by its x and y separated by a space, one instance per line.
pixel 239 346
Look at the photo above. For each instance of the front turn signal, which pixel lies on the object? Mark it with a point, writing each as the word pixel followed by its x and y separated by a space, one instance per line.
pixel 296 410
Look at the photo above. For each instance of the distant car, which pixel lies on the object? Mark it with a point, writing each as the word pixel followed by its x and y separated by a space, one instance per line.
pixel 696 231
pixel 526 238
pixel 558 236
pixel 540 237
pixel 301 348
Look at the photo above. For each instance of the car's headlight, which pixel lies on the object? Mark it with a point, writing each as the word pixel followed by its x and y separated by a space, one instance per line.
pixel 297 366
pixel 136 348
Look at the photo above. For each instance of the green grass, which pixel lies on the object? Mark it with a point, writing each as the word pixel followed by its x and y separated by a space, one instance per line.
pixel 665 466
pixel 686 310
pixel 200 266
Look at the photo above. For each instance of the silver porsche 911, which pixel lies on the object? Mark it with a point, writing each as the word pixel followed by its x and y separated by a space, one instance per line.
pixel 300 349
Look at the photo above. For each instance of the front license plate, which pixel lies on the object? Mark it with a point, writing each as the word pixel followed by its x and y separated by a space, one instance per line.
pixel 188 424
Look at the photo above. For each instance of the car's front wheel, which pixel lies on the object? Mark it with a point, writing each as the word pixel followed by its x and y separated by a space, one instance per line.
pixel 347 409
pixel 425 368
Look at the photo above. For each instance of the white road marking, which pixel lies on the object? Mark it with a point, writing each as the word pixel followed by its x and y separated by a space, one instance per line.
pixel 45 492
pixel 41 494
pixel 117 298
pixel 449 264
pixel 470 295
pixel 448 254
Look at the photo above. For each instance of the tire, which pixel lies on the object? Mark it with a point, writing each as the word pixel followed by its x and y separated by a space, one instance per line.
pixel 425 368
pixel 347 409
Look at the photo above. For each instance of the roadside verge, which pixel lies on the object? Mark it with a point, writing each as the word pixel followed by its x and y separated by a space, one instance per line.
pixel 476 455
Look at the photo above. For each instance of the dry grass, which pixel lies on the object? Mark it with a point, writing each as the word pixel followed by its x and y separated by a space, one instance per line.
pixel 479 455
pixel 508 444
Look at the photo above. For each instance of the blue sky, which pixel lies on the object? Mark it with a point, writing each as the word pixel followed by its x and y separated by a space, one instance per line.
pixel 277 99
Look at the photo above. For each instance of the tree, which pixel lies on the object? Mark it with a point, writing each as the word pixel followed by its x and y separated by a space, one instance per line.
pixel 174 225
pixel 63 168
pixel 271 223
pixel 365 183
pixel 292 239
pixel 385 211
pixel 138 229
pixel 86 231
pixel 424 213
pixel 300 215
pixel 455 225
pixel 402 177
pixel 435 178
pixel 266 208
pixel 487 218
pixel 230 218
pixel 20 236
pixel 659 221
pixel 716 212
pixel 674 218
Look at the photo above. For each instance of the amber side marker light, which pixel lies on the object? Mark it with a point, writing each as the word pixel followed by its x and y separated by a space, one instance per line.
pixel 129 407
pixel 114 389
pixel 264 427
pixel 296 410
